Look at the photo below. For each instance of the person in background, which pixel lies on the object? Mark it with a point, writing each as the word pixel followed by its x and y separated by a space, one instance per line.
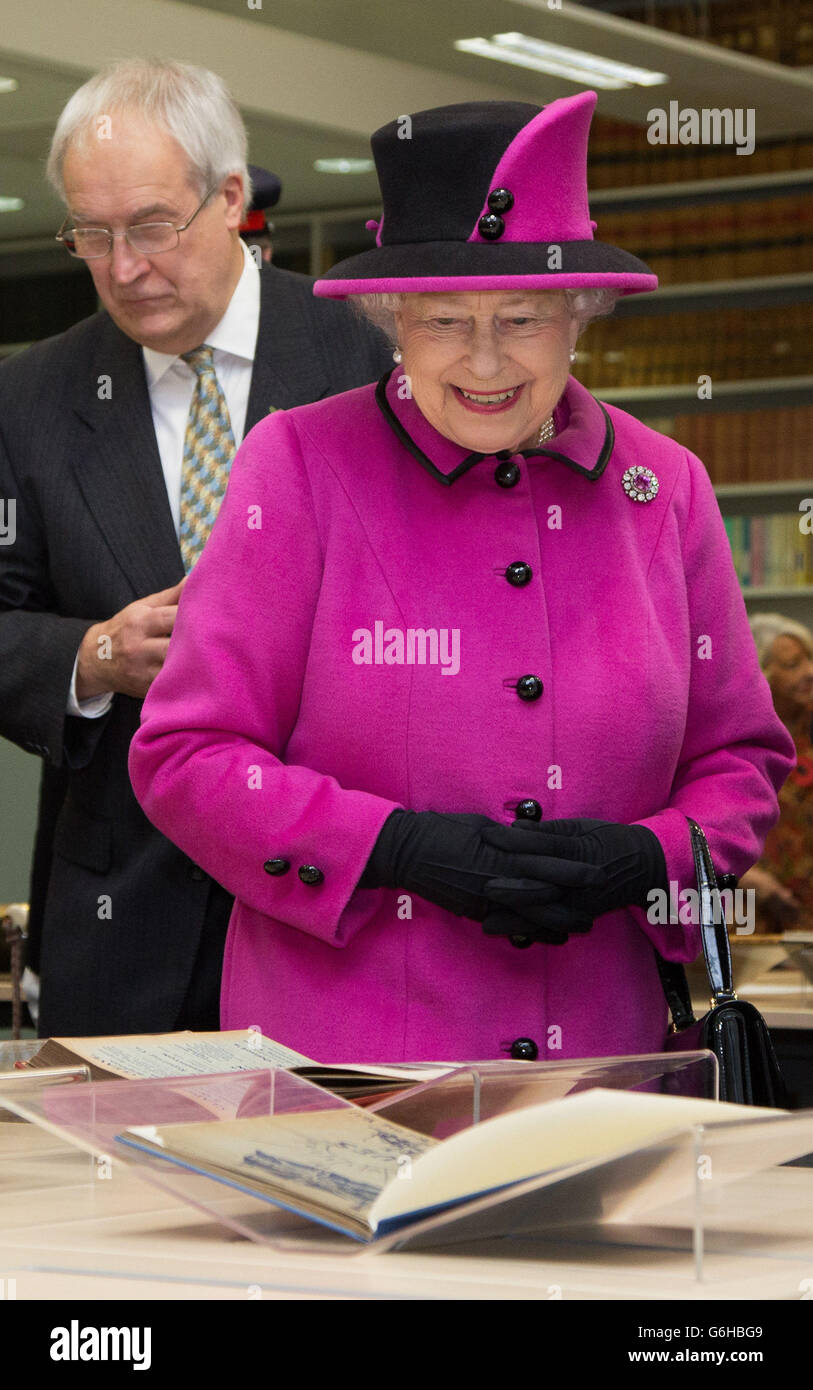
pixel 511 659
pixel 255 229
pixel 783 877
pixel 116 439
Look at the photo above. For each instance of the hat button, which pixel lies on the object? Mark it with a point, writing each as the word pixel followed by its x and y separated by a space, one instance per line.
pixel 491 227
pixel 500 200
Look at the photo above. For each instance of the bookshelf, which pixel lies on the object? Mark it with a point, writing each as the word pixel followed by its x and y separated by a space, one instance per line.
pixel 742 316
pixel 765 517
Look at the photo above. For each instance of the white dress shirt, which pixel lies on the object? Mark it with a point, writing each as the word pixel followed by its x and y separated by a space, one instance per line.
pixel 171 385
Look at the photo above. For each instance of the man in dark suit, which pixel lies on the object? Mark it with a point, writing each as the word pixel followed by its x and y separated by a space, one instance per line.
pixel 98 437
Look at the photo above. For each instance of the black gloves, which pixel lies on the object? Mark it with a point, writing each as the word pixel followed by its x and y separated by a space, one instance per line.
pixel 600 864
pixel 444 859
pixel 530 881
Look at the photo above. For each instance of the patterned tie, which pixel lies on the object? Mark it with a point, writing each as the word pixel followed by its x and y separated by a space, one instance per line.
pixel 208 451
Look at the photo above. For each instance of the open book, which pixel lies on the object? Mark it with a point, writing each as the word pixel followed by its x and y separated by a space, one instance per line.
pixel 141 1056
pixel 360 1174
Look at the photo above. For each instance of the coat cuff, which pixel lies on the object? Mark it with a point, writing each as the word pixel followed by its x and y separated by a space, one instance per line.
pixel 676 941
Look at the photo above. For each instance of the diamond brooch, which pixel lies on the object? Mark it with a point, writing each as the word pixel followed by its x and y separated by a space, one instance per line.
pixel 640 484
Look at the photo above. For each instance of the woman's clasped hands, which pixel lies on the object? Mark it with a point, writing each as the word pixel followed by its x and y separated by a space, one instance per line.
pixel 531 881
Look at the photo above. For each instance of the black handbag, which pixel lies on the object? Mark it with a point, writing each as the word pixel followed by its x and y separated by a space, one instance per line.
pixel 733 1030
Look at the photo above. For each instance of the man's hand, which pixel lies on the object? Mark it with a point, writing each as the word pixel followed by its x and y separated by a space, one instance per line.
pixel 126 653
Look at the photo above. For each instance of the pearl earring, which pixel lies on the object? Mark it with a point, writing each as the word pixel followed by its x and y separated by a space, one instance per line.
pixel 573 354
pixel 397 356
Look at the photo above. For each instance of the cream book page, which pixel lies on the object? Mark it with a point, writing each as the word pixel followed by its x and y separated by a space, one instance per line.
pixel 332 1161
pixel 578 1132
pixel 155 1055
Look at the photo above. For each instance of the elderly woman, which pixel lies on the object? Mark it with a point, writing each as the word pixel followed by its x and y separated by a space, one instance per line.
pixel 464 648
pixel 783 878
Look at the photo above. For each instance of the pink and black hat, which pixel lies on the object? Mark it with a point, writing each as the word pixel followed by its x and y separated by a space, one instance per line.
pixel 486 195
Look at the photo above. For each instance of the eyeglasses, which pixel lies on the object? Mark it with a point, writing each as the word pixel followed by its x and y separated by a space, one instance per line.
pixel 148 238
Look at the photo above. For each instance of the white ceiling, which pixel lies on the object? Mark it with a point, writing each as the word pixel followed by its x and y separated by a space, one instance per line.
pixel 315 77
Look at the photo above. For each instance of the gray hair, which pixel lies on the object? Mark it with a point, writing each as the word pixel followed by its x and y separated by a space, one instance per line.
pixel 766 627
pixel 191 103
pixel 582 305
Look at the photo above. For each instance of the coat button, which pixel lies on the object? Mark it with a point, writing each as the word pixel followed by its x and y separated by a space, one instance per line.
pixel 491 226
pixel 529 810
pixel 524 1050
pixel 197 873
pixel 500 200
pixel 519 574
pixel 506 474
pixel 276 866
pixel 310 874
pixel 529 687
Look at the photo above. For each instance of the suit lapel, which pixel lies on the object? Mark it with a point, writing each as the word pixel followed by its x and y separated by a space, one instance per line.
pixel 118 466
pixel 288 367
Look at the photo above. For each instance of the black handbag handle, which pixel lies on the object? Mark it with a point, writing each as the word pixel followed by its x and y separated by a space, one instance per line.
pixel 713 935
pixel 713 929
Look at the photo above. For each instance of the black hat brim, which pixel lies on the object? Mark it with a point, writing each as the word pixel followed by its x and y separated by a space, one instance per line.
pixel 450 265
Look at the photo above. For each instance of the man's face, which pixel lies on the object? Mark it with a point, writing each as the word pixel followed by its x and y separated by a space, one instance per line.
pixel 172 300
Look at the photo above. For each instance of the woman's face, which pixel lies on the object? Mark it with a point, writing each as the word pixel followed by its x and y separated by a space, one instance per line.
pixel 486 369
pixel 790 675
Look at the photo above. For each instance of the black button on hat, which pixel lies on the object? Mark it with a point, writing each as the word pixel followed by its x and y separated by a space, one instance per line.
pixel 491 226
pixel 529 688
pixel 500 200
pixel 519 574
pixel 524 1050
pixel 506 474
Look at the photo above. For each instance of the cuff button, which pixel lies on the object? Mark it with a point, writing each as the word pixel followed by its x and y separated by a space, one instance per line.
pixel 276 866
pixel 310 874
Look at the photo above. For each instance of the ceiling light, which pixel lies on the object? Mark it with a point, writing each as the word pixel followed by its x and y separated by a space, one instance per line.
pixel 557 61
pixel 11 204
pixel 344 166
pixel 8 84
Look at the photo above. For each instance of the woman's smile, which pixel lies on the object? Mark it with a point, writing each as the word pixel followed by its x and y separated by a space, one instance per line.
pixel 488 402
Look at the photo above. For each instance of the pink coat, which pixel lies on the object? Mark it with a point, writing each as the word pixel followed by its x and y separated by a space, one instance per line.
pixel 287 724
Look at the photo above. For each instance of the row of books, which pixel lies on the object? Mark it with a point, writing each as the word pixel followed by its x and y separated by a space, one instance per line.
pixel 717 241
pixel 723 344
pixel 777 31
pixel 771 551
pixel 748 446
pixel 621 156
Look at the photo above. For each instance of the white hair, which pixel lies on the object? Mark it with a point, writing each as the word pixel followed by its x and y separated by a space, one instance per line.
pixel 766 627
pixel 582 305
pixel 191 103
